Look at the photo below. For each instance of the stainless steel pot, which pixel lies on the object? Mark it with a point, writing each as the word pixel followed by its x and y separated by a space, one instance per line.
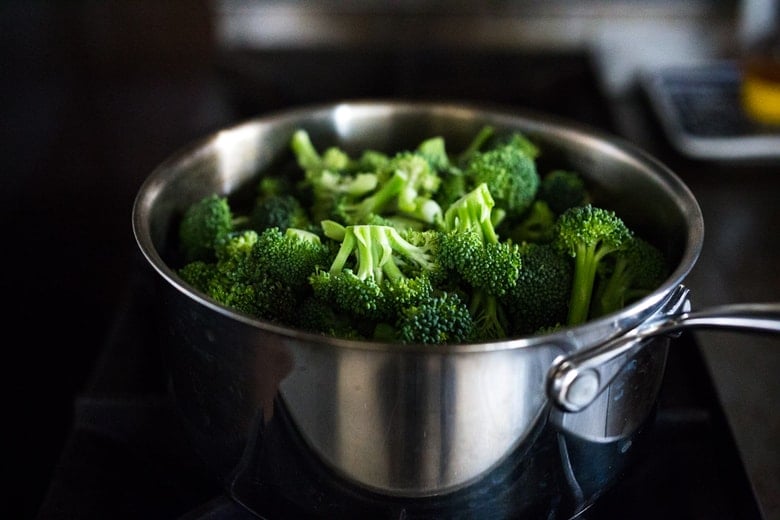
pixel 412 422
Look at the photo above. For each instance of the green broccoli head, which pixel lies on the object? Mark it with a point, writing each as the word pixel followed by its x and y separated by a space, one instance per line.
pixel 289 256
pixel 376 271
pixel 473 212
pixel 203 223
pixel 563 189
pixel 509 171
pixel 279 210
pixel 421 180
pixel 234 255
pixel 311 160
pixel 589 234
pixel 198 274
pixel 536 225
pixel 540 296
pixel 319 316
pixel 263 298
pixel 434 151
pixel 439 319
pixel 631 273
pixel 491 267
pixel 349 293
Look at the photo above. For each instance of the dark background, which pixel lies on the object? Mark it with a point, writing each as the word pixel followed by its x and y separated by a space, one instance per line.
pixel 92 96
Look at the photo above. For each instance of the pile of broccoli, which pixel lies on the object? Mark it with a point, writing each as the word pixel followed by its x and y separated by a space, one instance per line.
pixel 419 245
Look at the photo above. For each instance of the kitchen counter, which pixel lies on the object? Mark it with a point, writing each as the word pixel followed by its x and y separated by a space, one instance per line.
pixel 739 262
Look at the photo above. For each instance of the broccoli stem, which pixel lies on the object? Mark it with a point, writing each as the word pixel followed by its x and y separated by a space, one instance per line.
pixel 586 263
pixel 382 198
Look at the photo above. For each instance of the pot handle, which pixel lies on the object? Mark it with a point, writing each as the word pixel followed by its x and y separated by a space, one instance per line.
pixel 575 380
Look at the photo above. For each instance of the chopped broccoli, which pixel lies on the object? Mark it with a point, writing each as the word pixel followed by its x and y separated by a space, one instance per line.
pixel 375 272
pixel 439 319
pixel 540 297
pixel 434 151
pixel 234 254
pixel 417 245
pixel 319 316
pixel 310 160
pixel 632 273
pixel 290 256
pixel 277 205
pixel 537 224
pixel 563 189
pixel 473 212
pixel 490 320
pixel 234 281
pixel 477 143
pixel 279 210
pixel 333 178
pixel 470 247
pixel 510 174
pixel 202 225
pixel 198 274
pixel 589 234
pixel 421 181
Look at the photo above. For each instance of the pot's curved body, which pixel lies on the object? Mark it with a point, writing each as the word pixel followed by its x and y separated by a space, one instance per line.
pixel 407 422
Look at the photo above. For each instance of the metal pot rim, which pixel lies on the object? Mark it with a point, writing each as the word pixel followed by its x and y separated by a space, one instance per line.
pixel 569 338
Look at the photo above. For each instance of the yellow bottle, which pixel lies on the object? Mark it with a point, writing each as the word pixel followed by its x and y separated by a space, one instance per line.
pixel 760 89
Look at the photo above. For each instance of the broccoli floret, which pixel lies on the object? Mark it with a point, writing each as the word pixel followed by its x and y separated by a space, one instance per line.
pixel 289 257
pixel 319 316
pixel 264 298
pixel 243 283
pixel 477 142
pixel 233 279
pixel 434 151
pixel 406 187
pixel 371 161
pixel 234 254
pixel 632 273
pixel 359 210
pixel 277 205
pixel 536 225
pixel 421 182
pixel 470 247
pixel 439 319
pixel 375 272
pixel 540 297
pixel 524 144
pixel 563 189
pixel 490 320
pixel 279 210
pixel 589 234
pixel 198 274
pixel 203 223
pixel 407 183
pixel 509 171
pixel 454 185
pixel 264 274
pixel 310 160
pixel 333 178
pixel 473 212
pixel 491 267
